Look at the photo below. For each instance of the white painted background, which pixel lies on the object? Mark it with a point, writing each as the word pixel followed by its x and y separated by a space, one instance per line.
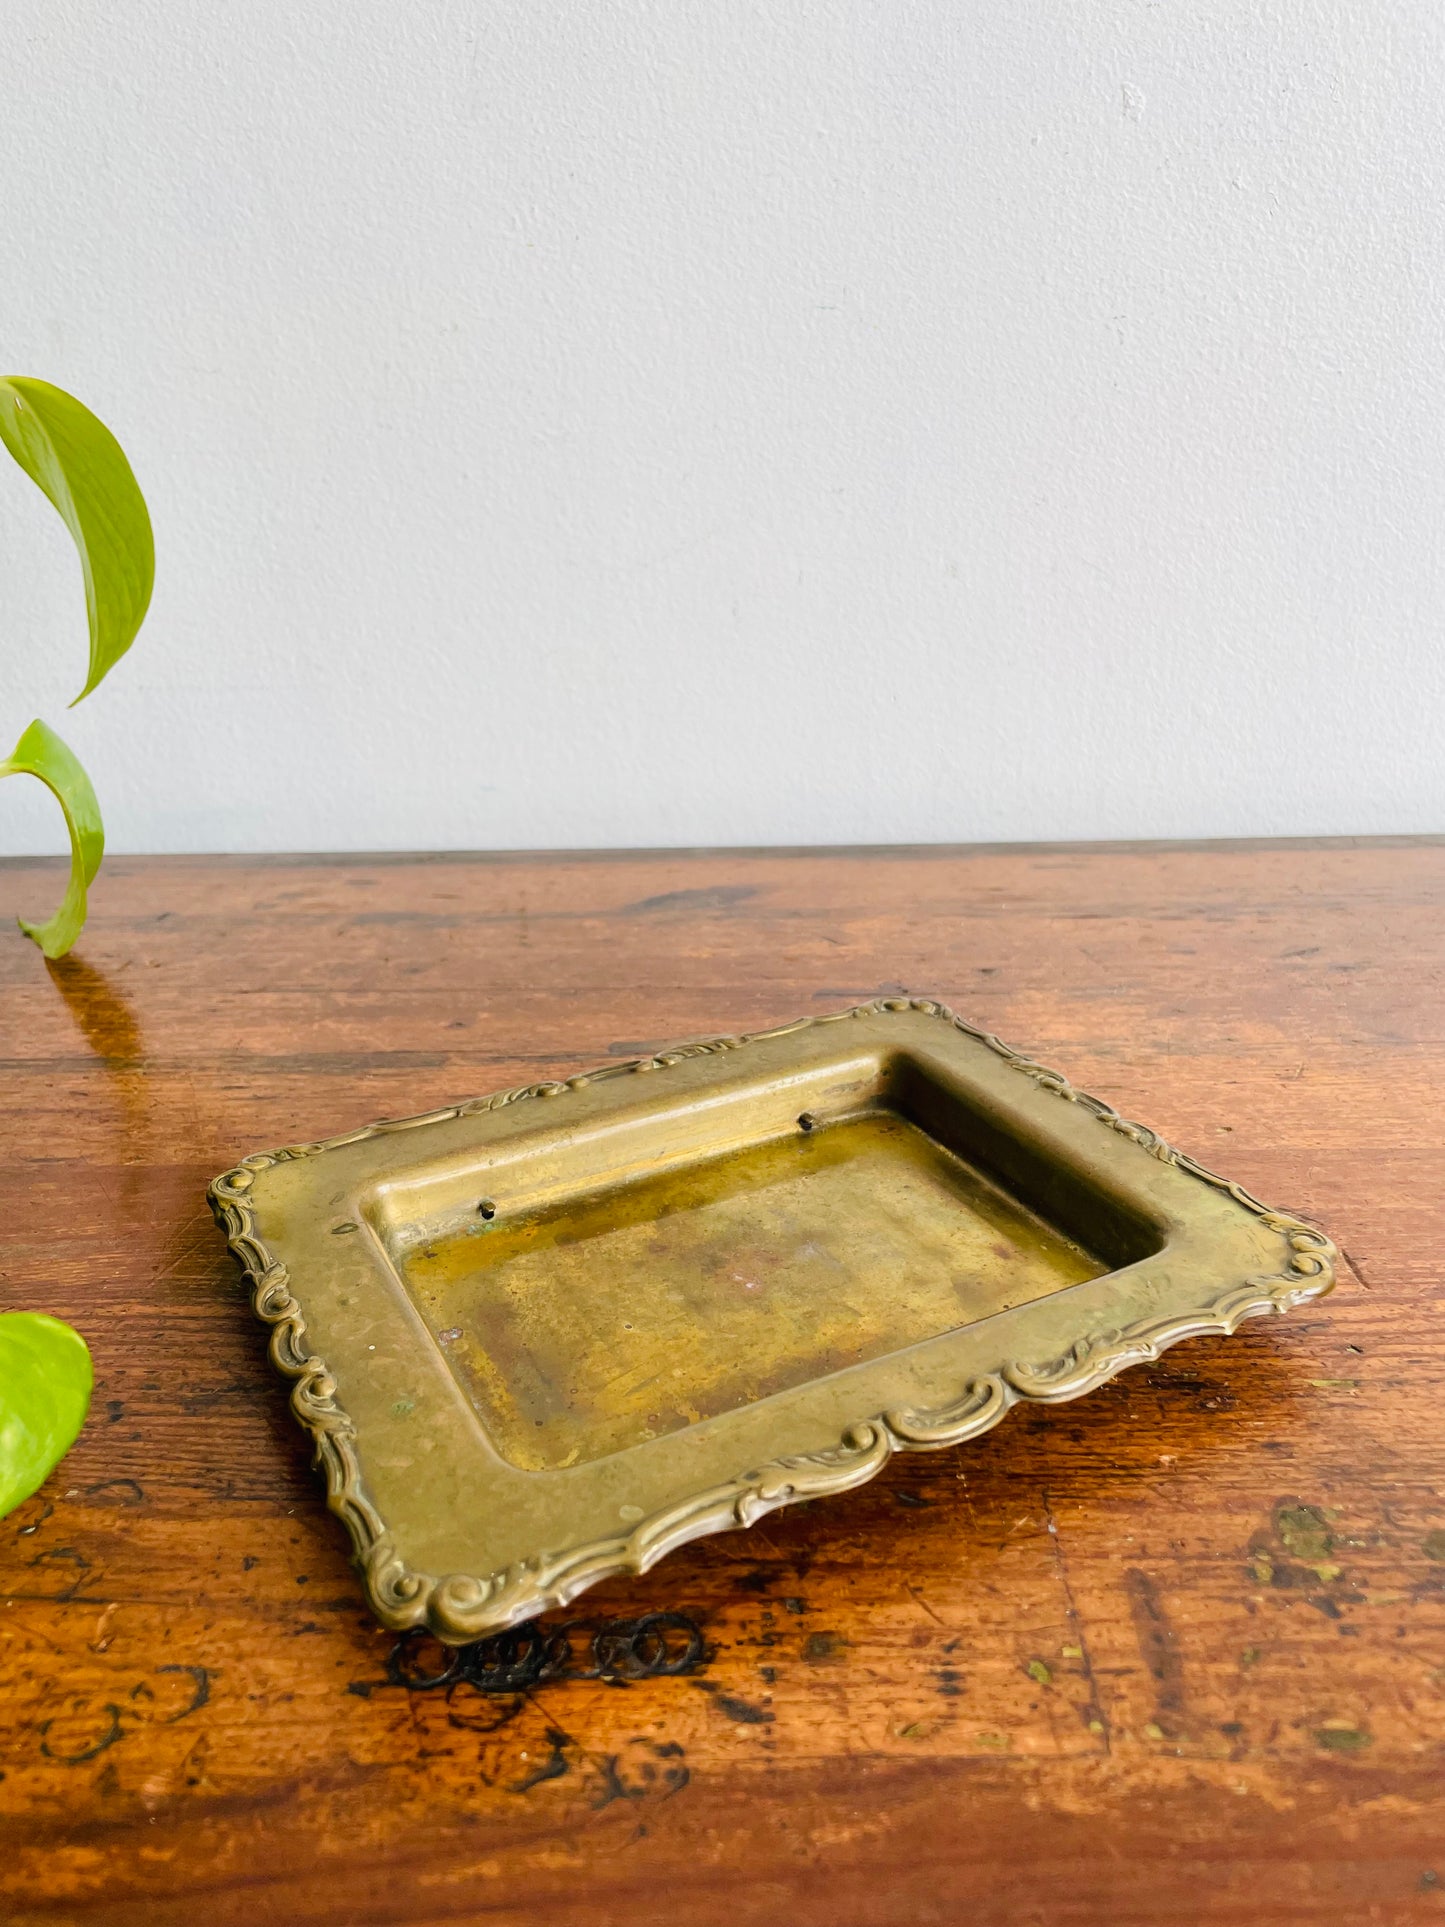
pixel 613 423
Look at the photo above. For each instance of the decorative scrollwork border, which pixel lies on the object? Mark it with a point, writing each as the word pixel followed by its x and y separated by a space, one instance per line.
pixel 458 1607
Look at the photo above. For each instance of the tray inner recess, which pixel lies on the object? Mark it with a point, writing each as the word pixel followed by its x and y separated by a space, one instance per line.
pixel 583 1325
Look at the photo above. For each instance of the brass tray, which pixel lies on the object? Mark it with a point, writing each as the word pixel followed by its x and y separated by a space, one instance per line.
pixel 550 1335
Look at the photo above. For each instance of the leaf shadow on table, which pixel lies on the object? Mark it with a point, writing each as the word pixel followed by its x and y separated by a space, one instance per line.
pixel 102 1012
pixel 105 1017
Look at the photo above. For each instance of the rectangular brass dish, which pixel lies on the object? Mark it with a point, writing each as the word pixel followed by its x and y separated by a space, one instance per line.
pixel 552 1334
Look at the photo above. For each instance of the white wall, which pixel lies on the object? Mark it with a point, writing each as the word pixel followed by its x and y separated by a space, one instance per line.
pixel 834 420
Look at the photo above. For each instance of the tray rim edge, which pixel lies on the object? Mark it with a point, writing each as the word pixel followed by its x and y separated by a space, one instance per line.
pixel 459 1607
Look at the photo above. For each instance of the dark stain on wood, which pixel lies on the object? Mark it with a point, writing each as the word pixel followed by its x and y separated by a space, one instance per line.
pixel 721 896
pixel 1157 1645
pixel 733 1705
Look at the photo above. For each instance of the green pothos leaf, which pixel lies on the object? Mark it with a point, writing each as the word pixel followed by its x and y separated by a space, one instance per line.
pixel 74 458
pixel 41 753
pixel 45 1380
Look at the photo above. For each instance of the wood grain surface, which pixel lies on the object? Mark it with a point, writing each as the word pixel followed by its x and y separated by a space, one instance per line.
pixel 1174 1653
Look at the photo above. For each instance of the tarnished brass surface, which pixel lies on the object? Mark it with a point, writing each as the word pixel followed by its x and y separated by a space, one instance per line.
pixel 587 1327
pixel 549 1335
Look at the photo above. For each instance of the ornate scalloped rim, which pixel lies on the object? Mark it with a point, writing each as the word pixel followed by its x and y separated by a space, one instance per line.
pixel 457 1607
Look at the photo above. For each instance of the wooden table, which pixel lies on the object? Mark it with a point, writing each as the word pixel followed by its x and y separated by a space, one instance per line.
pixel 1172 1654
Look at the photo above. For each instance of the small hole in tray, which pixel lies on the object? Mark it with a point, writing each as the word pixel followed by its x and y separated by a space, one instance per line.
pixel 807 1121
pixel 487 1209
